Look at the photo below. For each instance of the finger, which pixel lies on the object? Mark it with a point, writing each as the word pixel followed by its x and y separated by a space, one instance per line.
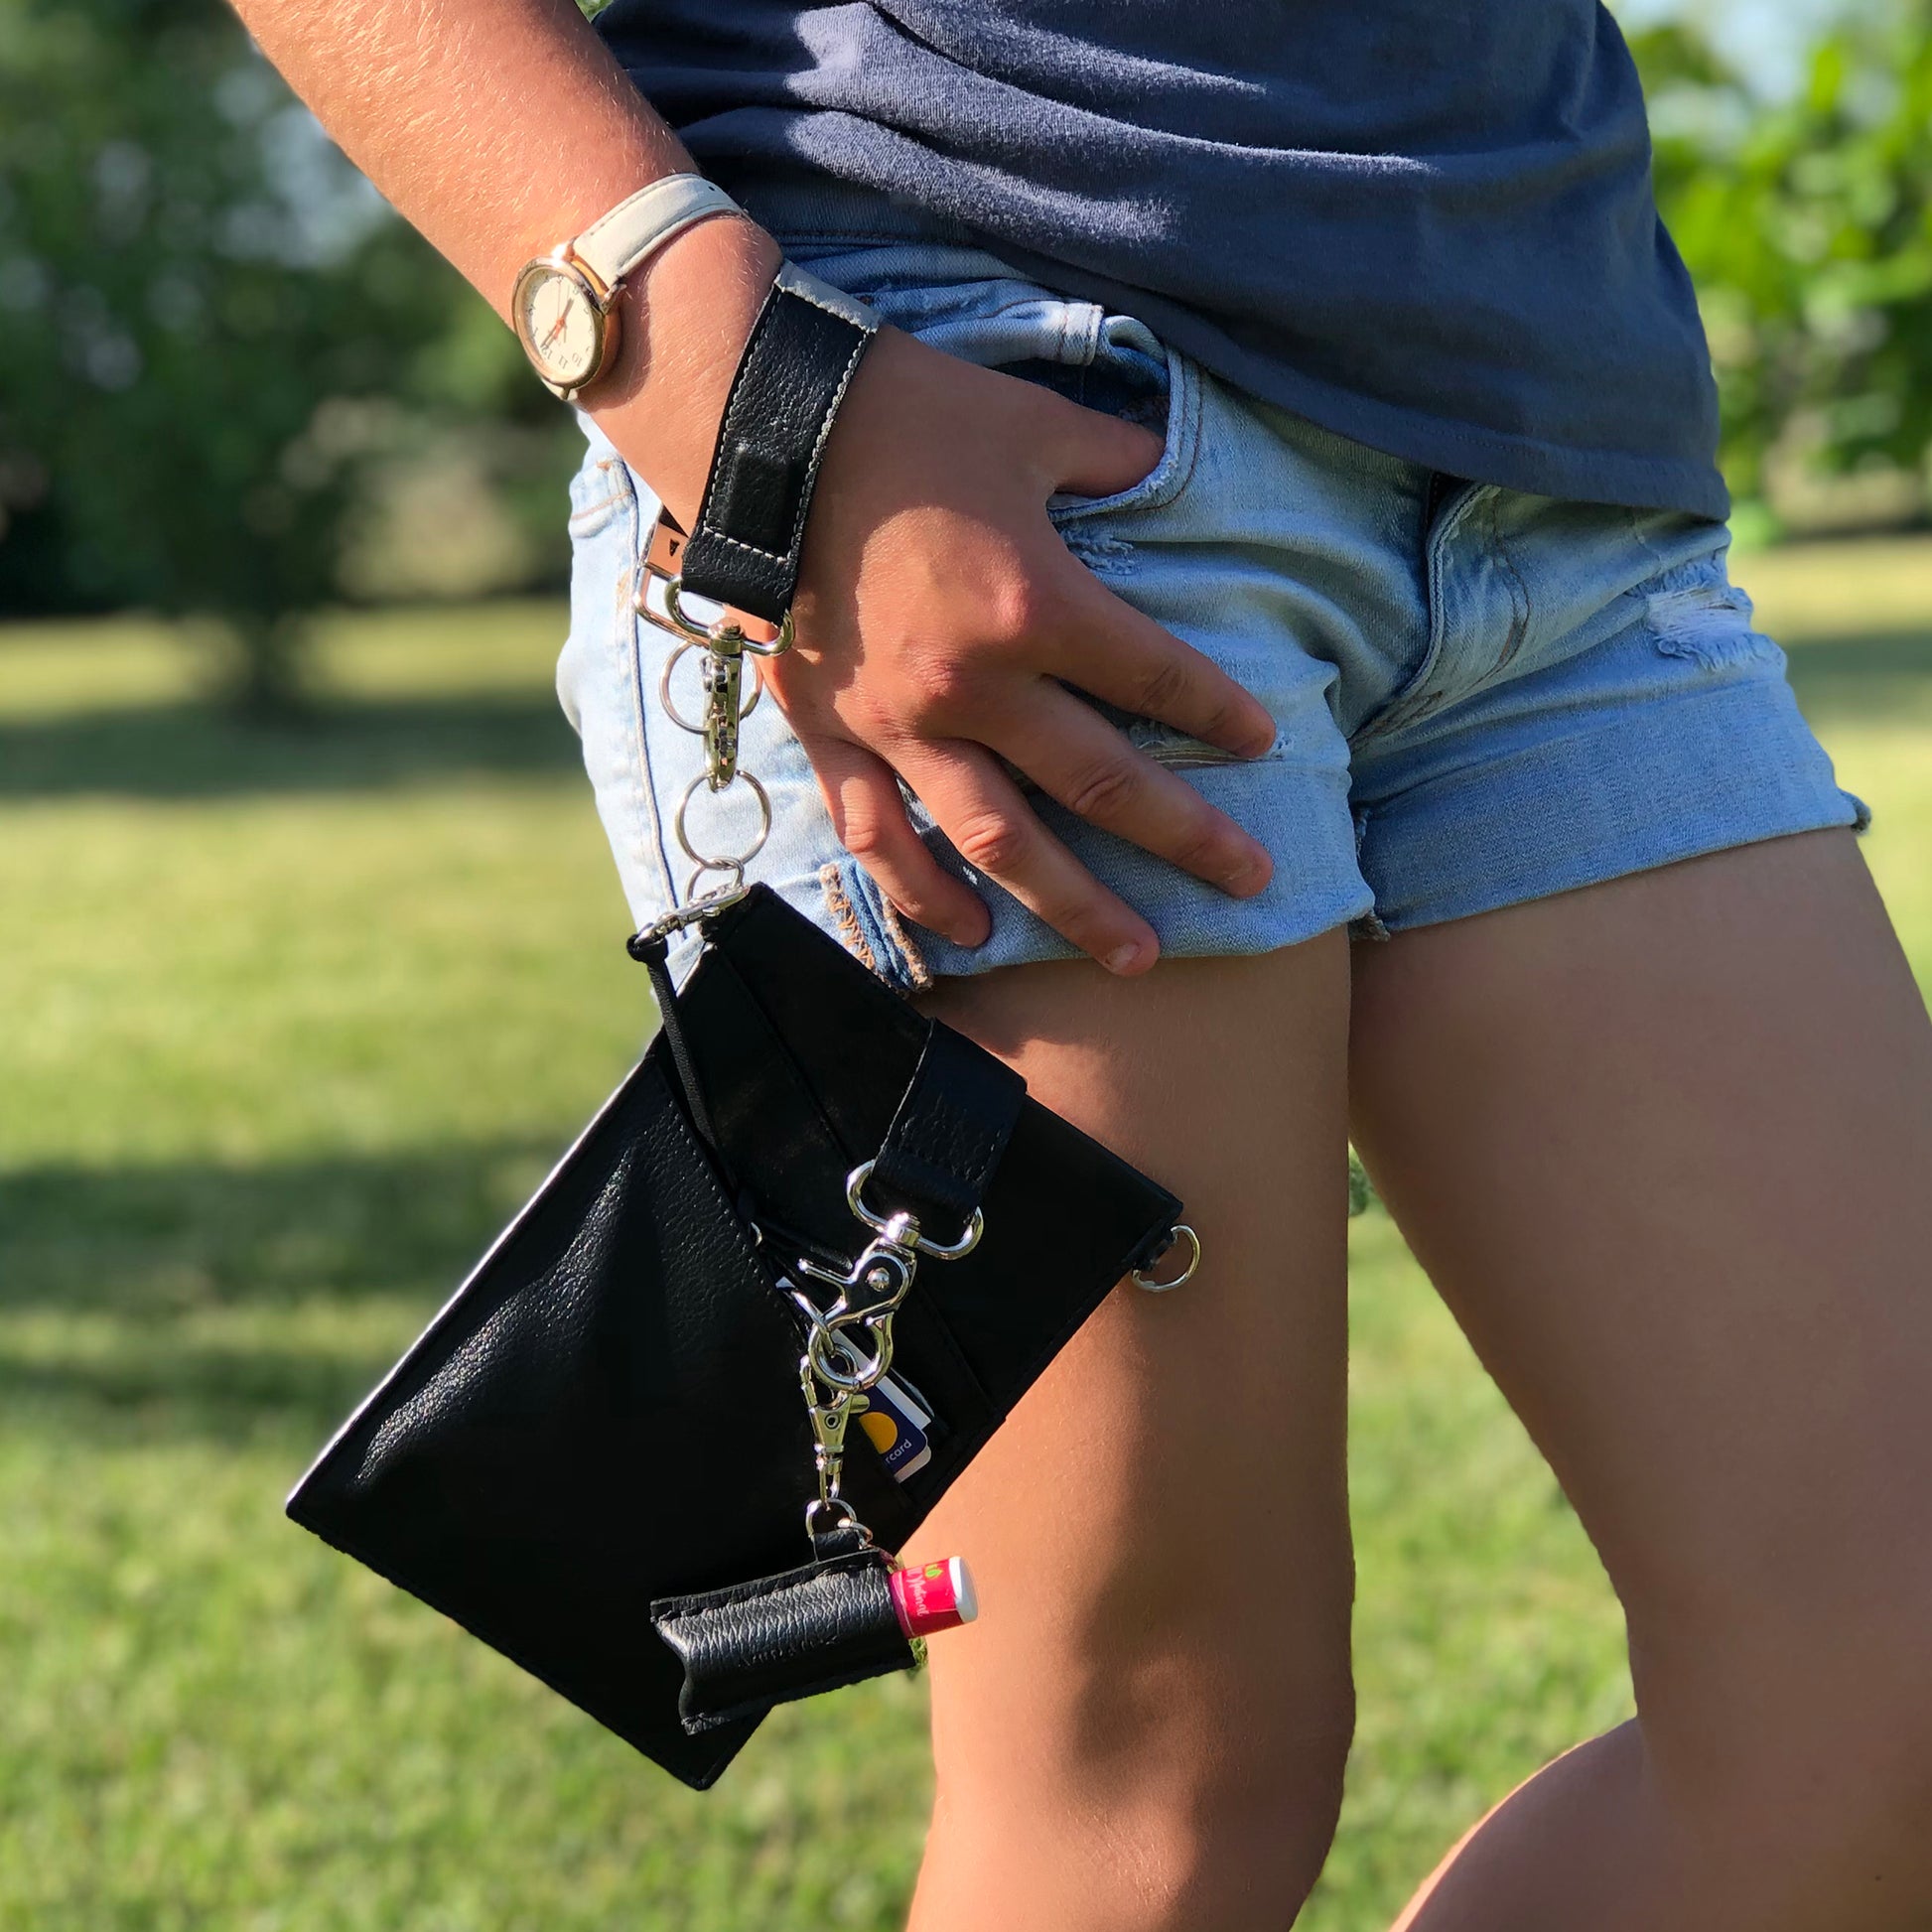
pixel 1104 454
pixel 869 814
pixel 1116 652
pixel 993 828
pixel 1076 755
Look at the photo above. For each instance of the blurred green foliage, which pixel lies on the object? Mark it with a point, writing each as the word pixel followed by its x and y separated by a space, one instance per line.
pixel 218 348
pixel 211 329
pixel 1807 225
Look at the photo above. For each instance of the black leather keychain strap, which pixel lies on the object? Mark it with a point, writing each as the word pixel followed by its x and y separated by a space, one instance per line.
pixel 953 1123
pixel 791 377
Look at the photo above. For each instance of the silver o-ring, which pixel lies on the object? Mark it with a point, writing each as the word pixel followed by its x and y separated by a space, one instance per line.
pixel 858 1371
pixel 670 704
pixel 724 862
pixel 1182 1232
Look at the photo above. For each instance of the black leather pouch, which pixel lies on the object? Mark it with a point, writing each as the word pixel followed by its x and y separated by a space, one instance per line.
pixel 752 1645
pixel 608 1415
pixel 807 1206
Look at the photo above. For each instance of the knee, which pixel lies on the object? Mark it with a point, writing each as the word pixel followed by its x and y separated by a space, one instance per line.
pixel 1259 1829
pixel 1229 1791
pixel 1162 1747
pixel 1147 1794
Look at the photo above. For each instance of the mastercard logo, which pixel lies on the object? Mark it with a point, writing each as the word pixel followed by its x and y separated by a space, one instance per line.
pixel 882 1431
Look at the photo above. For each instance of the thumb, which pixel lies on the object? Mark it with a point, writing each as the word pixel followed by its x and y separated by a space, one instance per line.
pixel 1102 454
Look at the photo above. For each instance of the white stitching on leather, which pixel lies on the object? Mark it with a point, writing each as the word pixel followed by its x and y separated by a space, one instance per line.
pixel 789 555
pixel 824 307
pixel 818 448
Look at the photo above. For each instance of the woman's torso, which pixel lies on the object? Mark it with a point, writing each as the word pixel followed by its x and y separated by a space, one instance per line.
pixel 1424 225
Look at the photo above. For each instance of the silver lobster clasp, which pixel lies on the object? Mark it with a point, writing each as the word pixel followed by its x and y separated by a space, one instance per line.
pixel 830 1420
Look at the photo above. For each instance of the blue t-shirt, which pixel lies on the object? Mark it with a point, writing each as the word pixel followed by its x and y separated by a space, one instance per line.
pixel 1426 225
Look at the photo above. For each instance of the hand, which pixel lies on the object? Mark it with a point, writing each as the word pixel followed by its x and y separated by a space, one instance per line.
pixel 940 620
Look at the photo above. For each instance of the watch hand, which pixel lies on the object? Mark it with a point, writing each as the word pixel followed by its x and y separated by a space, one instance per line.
pixel 556 327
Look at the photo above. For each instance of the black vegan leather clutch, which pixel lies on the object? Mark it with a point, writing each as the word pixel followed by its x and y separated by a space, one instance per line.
pixel 809 1206
pixel 608 1414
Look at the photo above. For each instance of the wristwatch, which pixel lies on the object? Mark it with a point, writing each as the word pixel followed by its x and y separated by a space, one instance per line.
pixel 563 307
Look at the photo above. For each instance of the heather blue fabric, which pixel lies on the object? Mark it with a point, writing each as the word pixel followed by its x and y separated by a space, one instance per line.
pixel 1425 224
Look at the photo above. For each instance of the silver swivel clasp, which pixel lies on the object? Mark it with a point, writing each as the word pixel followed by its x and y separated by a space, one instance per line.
pixel 849 1343
pixel 849 1346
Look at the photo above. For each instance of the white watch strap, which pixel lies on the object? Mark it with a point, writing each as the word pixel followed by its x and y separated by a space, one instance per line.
pixel 613 246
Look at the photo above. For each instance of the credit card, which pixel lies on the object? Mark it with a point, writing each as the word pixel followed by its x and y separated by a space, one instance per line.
pixel 895 1425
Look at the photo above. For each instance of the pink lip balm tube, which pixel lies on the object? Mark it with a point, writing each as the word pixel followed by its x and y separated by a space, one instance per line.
pixel 933 1597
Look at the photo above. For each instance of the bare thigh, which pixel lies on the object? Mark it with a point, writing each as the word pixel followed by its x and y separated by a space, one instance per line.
pixel 1665 1146
pixel 1146 1724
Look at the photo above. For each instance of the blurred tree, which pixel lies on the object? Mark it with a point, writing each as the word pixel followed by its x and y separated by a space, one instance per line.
pixel 1807 224
pixel 209 328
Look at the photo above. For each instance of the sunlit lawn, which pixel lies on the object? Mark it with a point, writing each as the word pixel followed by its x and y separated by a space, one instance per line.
pixel 288 1024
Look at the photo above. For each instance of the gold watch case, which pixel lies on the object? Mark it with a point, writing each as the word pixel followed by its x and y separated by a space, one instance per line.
pixel 566 379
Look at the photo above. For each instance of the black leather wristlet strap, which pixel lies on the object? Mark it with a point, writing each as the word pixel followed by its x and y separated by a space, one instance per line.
pixel 791 377
pixel 953 1123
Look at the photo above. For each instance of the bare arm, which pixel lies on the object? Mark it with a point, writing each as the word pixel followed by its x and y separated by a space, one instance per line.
pixel 501 127
pixel 939 618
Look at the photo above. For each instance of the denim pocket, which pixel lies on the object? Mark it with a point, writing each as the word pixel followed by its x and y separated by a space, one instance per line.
pixel 1133 374
pixel 968 303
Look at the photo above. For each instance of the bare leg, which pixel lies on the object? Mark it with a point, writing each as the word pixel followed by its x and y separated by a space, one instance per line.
pixel 1665 1146
pixel 1147 1727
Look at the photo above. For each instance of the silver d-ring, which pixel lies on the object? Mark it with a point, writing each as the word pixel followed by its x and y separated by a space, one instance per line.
pixel 1180 1233
pixel 848 1518
pixel 670 704
pixel 773 646
pixel 855 1198
pixel 723 627
pixel 702 634
pixel 729 860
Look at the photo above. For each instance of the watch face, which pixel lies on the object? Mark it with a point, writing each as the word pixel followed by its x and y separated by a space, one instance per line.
pixel 559 323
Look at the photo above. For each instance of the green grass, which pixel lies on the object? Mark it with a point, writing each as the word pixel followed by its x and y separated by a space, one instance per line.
pixel 289 1022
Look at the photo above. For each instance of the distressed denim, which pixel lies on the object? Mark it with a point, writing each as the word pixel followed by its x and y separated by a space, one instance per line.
pixel 1484 697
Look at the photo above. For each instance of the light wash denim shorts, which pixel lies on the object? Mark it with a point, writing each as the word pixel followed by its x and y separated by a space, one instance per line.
pixel 1484 697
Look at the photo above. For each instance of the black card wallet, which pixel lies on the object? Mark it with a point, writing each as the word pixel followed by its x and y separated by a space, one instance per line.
pixel 607 1413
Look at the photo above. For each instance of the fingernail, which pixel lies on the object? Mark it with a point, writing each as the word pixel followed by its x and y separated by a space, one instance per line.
pixel 1123 960
pixel 1250 874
